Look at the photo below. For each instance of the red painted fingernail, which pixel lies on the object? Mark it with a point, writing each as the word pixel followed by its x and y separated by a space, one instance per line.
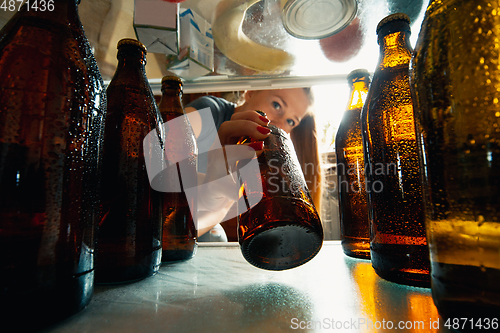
pixel 264 119
pixel 259 145
pixel 263 130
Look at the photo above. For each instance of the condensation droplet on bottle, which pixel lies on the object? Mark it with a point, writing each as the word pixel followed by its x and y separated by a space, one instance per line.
pixel 480 220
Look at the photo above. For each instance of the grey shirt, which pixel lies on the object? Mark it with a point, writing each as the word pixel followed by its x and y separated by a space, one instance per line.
pixel 221 111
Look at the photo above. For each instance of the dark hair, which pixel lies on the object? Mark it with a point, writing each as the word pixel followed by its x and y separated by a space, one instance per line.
pixel 304 138
pixel 309 94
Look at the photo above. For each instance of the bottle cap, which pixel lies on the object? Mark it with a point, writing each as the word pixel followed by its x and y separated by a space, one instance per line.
pixel 391 18
pixel 171 78
pixel 357 73
pixel 317 19
pixel 130 41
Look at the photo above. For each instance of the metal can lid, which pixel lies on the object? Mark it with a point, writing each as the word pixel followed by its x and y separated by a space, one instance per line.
pixel 358 73
pixel 130 41
pixel 393 17
pixel 317 19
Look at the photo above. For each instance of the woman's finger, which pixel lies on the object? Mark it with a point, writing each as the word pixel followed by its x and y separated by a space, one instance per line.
pixel 254 116
pixel 231 131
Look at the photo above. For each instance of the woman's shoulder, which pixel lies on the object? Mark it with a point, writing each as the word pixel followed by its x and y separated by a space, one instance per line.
pixel 213 102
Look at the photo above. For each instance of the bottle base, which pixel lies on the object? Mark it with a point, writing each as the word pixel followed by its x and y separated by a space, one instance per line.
pixel 177 255
pixel 461 291
pixel 356 247
pixel 281 247
pixel 182 251
pixel 56 301
pixel 402 264
pixel 280 233
pixel 114 274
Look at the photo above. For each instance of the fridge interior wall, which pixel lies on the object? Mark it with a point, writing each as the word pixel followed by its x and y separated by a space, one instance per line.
pixel 322 64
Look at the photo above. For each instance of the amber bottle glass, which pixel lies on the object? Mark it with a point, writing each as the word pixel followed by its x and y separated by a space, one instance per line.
pixel 283 230
pixel 398 245
pixel 179 210
pixel 52 106
pixel 455 80
pixel 129 238
pixel 354 223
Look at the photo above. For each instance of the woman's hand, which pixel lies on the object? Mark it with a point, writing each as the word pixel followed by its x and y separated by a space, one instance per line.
pixel 244 124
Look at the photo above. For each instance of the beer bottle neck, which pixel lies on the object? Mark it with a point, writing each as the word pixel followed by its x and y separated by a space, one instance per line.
pixel 395 47
pixel 170 105
pixel 131 68
pixel 131 56
pixel 359 90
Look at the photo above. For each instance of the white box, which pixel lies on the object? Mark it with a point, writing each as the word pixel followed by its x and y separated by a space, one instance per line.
pixel 196 47
pixel 155 25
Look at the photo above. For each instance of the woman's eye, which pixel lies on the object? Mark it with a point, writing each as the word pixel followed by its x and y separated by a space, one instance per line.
pixel 290 122
pixel 276 105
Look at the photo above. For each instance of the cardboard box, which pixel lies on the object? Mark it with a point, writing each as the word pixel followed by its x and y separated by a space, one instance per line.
pixel 155 25
pixel 196 47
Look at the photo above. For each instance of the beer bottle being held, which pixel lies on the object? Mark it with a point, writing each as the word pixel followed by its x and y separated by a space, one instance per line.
pixel 398 244
pixel 129 238
pixel 283 230
pixel 455 79
pixel 354 223
pixel 52 107
pixel 179 209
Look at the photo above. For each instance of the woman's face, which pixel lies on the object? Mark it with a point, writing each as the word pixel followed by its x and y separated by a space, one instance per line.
pixel 283 107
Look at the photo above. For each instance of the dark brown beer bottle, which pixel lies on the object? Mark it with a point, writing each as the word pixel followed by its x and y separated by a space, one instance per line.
pixel 129 238
pixel 455 79
pixel 283 230
pixel 398 244
pixel 52 105
pixel 354 223
pixel 179 209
